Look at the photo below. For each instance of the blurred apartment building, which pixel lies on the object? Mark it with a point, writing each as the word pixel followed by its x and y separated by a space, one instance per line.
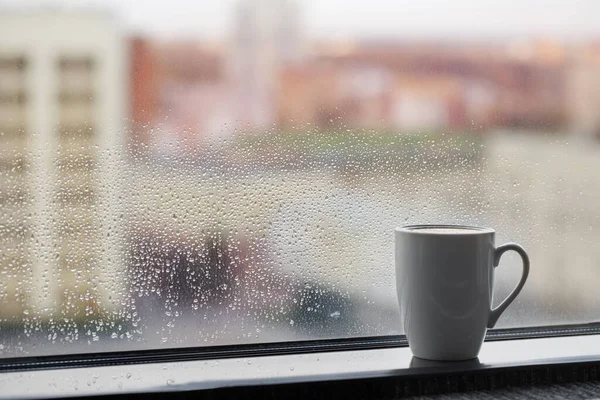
pixel 62 108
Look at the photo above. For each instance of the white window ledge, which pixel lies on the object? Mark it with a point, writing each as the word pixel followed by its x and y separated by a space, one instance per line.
pixel 195 375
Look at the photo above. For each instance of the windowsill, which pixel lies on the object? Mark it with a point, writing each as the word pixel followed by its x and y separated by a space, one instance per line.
pixel 281 369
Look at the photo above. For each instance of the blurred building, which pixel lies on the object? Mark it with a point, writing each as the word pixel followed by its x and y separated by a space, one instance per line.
pixel 181 95
pixel 368 96
pixel 63 90
pixel 584 90
pixel 144 89
pixel 309 94
pixel 427 103
pixel 267 37
pixel 424 86
pixel 186 93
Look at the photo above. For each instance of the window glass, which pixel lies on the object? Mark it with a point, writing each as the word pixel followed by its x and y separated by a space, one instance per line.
pixel 190 173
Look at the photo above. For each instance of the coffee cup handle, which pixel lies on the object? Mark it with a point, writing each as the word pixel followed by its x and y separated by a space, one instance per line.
pixel 497 312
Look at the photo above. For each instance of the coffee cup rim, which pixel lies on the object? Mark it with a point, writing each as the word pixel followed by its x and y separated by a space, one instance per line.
pixel 468 229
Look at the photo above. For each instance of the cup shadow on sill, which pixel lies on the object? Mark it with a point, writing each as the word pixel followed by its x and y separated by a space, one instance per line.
pixel 420 363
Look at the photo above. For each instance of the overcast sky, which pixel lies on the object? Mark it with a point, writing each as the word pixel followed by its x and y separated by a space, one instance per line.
pixel 567 19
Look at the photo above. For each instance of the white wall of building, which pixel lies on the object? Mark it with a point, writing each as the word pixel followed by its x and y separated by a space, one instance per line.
pixel 43 38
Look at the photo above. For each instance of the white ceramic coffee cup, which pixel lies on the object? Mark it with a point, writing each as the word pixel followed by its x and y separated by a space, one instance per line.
pixel 445 281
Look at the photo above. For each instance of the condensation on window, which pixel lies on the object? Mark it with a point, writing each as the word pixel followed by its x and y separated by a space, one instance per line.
pixel 162 191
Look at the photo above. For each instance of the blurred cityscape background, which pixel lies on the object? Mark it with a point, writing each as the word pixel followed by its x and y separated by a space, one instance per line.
pixel 178 188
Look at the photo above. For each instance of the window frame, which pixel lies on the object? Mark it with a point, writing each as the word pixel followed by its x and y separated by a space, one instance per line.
pixel 541 361
pixel 131 357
